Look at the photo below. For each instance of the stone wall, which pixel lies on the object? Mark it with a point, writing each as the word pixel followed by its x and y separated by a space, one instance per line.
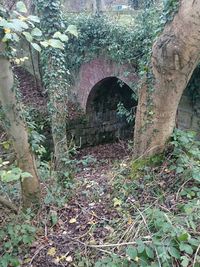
pixel 90 130
pixel 187 117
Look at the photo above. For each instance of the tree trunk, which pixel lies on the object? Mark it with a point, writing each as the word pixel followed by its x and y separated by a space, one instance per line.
pixel 16 129
pixel 55 78
pixel 175 56
pixel 98 6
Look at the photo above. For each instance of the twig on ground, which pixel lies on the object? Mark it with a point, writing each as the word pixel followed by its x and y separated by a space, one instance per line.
pixel 195 256
pixel 8 204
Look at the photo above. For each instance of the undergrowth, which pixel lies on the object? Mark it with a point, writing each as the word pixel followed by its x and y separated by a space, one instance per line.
pixel 154 209
pixel 159 197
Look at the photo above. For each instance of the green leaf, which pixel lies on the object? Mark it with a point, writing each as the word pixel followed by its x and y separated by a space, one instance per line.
pixel 62 37
pixel 34 19
pixel 10 176
pixel 36 32
pixel 194 242
pixel 21 7
pixel 72 30
pixel 196 175
pixel 183 237
pixel 149 252
pixel 185 247
pixel 44 43
pixel 131 252
pixel 28 36
pixel 18 25
pixel 185 261
pixel 56 43
pixel 174 252
pixel 36 47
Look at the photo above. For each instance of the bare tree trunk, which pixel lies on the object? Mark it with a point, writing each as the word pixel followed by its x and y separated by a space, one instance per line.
pixel 98 6
pixel 17 131
pixel 175 56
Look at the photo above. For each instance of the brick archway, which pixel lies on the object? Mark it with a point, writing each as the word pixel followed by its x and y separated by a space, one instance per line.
pixel 92 72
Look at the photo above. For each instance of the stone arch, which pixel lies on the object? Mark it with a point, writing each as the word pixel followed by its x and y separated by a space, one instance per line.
pixel 102 110
pixel 94 71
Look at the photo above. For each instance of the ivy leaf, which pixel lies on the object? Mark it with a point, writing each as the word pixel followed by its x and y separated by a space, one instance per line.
pixel 36 32
pixel 21 7
pixel 28 36
pixel 36 47
pixel 72 30
pixel 56 43
pixel 18 25
pixel 44 43
pixel 62 37
pixel 34 19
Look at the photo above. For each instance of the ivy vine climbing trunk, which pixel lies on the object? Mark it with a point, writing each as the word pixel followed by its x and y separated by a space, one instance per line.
pixel 16 129
pixel 175 55
pixel 55 80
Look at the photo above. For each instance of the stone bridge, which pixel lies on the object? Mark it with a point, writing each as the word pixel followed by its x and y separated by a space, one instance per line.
pixel 100 85
pixel 93 72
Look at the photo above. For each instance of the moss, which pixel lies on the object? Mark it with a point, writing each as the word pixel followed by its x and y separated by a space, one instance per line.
pixel 138 166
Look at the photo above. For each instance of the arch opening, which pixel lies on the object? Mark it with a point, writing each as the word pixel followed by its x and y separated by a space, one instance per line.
pixel 102 110
pixel 188 115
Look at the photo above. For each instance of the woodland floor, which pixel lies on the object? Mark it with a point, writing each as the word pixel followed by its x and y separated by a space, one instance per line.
pixel 85 219
pixel 94 215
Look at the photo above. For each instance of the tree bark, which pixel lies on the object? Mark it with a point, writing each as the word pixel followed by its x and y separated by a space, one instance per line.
pixel 16 129
pixel 55 79
pixel 174 58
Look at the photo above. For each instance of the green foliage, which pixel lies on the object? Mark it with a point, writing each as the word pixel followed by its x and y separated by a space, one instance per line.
pixel 16 25
pixel 139 165
pixel 169 236
pixel 16 237
pixel 11 173
pixel 99 35
pixel 186 155
pixel 170 9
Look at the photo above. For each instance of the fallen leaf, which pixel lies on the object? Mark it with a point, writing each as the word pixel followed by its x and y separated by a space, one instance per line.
pixel 69 259
pixel 117 202
pixel 51 251
pixel 73 220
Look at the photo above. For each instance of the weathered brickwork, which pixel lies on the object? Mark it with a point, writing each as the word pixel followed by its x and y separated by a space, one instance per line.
pixel 96 70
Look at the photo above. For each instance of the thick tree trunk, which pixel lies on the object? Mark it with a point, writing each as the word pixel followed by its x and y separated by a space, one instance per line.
pixel 176 53
pixel 17 131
